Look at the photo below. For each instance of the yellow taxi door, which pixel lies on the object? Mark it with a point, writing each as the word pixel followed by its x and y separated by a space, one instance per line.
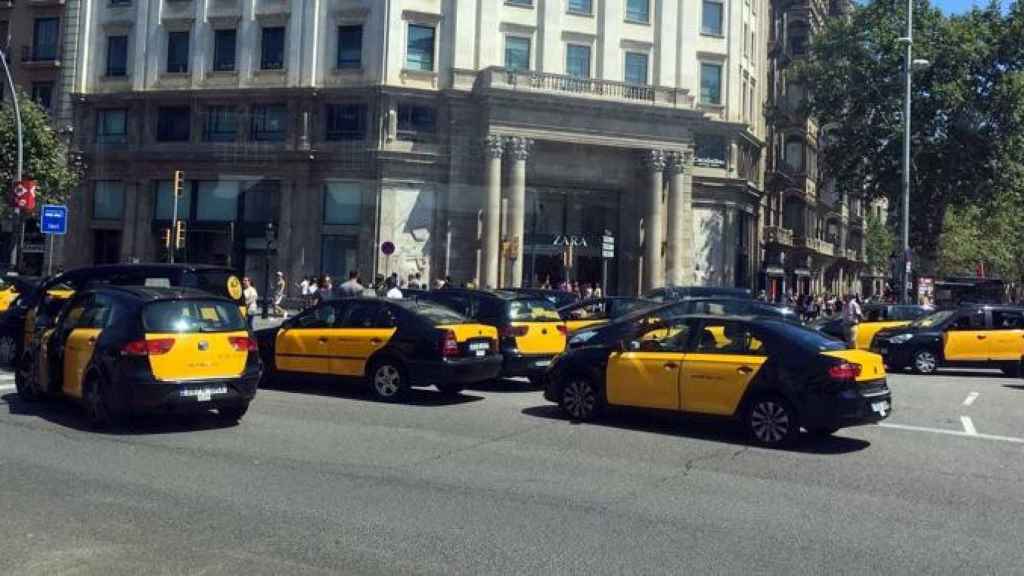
pixel 365 327
pixel 724 360
pixel 82 330
pixel 303 345
pixel 966 339
pixel 1007 335
pixel 645 374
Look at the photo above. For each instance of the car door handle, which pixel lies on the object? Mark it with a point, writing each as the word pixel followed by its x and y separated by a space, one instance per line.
pixel 375 341
pixel 744 369
pixel 322 340
pixel 92 340
pixel 982 336
pixel 671 365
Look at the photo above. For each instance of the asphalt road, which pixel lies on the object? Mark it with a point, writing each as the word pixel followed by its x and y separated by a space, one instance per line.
pixel 320 479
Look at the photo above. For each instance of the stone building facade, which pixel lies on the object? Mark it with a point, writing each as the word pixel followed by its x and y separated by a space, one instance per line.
pixel 496 142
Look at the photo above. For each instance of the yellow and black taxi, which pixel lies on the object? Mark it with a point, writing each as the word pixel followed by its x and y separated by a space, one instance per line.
pixel 875 317
pixel 774 376
pixel 121 351
pixel 530 329
pixel 12 286
pixel 391 345
pixel 599 311
pixel 979 336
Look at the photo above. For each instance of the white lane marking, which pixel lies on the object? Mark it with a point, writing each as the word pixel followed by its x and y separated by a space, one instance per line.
pixel 970 398
pixel 969 428
pixel 6 387
pixel 952 433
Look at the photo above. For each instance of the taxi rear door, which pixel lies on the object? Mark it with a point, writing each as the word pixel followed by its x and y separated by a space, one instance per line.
pixel 725 357
pixel 1007 335
pixel 365 327
pixel 645 374
pixel 966 338
pixel 303 345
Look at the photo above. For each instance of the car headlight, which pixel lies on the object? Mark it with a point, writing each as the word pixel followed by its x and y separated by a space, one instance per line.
pixel 582 337
pixel 900 338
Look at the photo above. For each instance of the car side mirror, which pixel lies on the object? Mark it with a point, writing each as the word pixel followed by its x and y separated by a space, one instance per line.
pixel 629 346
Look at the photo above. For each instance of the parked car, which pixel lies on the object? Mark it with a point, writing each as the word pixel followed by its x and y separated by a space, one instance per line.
pixel 597 311
pixel 557 297
pixel 670 293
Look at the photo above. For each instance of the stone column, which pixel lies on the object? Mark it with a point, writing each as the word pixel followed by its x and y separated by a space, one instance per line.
pixel 654 166
pixel 518 150
pixel 491 253
pixel 679 248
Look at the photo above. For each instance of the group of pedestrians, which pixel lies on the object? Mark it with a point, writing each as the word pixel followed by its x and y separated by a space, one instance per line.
pixel 583 290
pixel 811 307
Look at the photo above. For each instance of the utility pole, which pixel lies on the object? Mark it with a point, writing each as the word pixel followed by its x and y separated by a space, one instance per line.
pixel 18 172
pixel 907 71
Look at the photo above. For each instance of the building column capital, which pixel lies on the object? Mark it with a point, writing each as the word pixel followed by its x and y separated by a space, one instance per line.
pixel 519 148
pixel 493 146
pixel 680 162
pixel 653 160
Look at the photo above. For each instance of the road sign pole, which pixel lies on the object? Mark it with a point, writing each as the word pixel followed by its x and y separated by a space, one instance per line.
pixel 49 265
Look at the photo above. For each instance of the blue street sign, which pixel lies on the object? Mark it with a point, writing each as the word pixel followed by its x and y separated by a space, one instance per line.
pixel 54 219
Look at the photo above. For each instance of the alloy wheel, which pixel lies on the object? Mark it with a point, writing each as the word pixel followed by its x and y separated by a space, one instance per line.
pixel 387 381
pixel 770 421
pixel 579 399
pixel 924 362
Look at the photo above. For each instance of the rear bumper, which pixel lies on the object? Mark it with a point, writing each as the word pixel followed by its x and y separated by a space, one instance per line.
pixel 145 396
pixel 528 365
pixel 456 371
pixel 848 407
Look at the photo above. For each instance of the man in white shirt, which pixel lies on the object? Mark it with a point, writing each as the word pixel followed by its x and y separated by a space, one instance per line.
pixel 393 292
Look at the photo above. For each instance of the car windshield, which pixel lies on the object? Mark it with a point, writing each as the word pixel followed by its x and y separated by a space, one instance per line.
pixel 533 310
pixel 185 316
pixel 934 319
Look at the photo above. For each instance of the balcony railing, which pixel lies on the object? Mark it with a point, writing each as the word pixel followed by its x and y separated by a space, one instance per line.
pixel 778 235
pixel 815 245
pixel 542 82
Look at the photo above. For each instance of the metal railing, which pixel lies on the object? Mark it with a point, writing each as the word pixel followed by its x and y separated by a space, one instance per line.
pixel 526 80
pixel 779 235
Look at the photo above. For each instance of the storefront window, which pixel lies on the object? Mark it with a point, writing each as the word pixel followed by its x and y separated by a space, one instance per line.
pixel 262 200
pixel 338 255
pixel 342 202
pixel 108 200
pixel 217 201
pixel 164 204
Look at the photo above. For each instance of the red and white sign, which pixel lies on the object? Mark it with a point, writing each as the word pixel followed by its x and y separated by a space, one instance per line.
pixel 25 195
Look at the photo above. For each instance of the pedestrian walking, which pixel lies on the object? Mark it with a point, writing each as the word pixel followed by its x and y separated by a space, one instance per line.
pixel 251 298
pixel 279 291
pixel 351 287
pixel 304 290
pixel 393 291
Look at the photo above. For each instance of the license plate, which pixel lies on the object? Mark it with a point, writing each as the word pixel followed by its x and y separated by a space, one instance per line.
pixel 203 394
pixel 480 346
pixel 882 408
pixel 541 363
pixel 481 352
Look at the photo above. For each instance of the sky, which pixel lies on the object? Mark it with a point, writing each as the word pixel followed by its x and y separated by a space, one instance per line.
pixel 958 6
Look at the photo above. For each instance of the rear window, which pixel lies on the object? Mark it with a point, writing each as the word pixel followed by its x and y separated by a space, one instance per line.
pixel 437 315
pixel 533 310
pixel 214 281
pixel 192 316
pixel 803 338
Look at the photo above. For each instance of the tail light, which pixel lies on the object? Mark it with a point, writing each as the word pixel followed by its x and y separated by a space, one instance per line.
pixel 563 329
pixel 449 345
pixel 514 331
pixel 155 347
pixel 243 344
pixel 845 371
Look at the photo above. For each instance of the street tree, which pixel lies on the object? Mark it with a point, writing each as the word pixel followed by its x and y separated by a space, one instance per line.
pixel 879 243
pixel 46 157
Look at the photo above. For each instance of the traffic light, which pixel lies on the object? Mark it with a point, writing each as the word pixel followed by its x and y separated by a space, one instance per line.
pixel 165 234
pixel 179 183
pixel 179 234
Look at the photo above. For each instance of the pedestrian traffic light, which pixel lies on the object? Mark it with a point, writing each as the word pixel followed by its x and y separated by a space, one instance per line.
pixel 165 234
pixel 179 183
pixel 179 234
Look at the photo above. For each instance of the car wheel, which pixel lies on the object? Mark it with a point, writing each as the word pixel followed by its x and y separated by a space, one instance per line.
pixel 387 380
pixel 924 362
pixel 772 421
pixel 24 384
pixel 581 399
pixel 450 389
pixel 97 409
pixel 232 414
pixel 8 350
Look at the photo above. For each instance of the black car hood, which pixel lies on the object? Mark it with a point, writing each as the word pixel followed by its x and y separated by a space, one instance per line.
pixel 888 332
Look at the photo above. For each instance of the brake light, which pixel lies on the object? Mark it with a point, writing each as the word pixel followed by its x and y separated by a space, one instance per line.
pixel 155 347
pixel 515 331
pixel 243 344
pixel 844 371
pixel 449 345
pixel 563 329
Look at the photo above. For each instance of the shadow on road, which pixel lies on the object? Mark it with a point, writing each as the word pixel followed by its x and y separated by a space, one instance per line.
pixel 698 428
pixel 69 415
pixel 360 392
pixel 507 385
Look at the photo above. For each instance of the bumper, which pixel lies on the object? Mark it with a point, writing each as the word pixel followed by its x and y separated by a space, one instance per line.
pixel 456 371
pixel 849 407
pixel 145 396
pixel 531 366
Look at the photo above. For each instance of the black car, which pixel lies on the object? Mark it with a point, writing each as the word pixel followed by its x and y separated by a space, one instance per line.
pixel 670 293
pixel 557 297
pixel 597 311
pixel 978 336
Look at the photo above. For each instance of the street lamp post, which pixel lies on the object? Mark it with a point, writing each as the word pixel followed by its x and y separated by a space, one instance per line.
pixel 266 271
pixel 18 170
pixel 908 69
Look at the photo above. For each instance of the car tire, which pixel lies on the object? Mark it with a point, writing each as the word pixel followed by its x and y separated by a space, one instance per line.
pixel 771 421
pixel 24 384
pixel 924 361
pixel 450 389
pixel 97 404
pixel 387 380
pixel 1011 369
pixel 232 414
pixel 8 350
pixel 581 399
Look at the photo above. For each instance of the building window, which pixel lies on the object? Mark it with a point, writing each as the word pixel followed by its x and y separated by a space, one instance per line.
pixel 163 207
pixel 636 68
pixel 272 48
pixel 524 3
pixel 262 200
pixel 221 124
pixel 710 83
pixel 711 18
pixel 342 202
pixel 420 48
pixel 108 200
pixel 111 126
pixel 173 124
pixel 268 122
pixel 577 60
pixel 177 52
pixel 217 201
pixel 346 122
pixel 746 40
pixel 350 47
pixel 338 255
pixel 744 94
pixel 45 39
pixel 415 122
pixel 225 43
pixel 117 56
pixel 710 151
pixel 638 11
pixel 42 94
pixel 517 53
pixel 794 153
pixel 585 7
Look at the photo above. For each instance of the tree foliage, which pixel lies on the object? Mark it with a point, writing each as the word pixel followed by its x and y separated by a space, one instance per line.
pixel 879 242
pixel 967 117
pixel 46 157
